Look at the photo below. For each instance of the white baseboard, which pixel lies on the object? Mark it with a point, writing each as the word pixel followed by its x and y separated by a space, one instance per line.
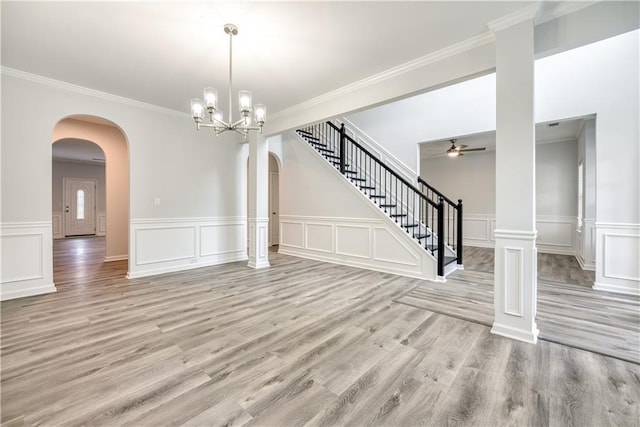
pixel 27 292
pixel 116 258
pixel 618 289
pixel 164 270
pixel 516 334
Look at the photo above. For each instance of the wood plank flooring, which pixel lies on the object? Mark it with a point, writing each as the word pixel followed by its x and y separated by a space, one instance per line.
pixel 570 312
pixel 300 343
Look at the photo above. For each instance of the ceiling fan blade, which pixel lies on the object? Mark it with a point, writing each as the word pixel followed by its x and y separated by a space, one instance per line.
pixel 474 149
pixel 461 147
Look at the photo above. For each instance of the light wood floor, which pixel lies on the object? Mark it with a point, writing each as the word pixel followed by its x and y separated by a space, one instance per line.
pixel 301 343
pixel 570 312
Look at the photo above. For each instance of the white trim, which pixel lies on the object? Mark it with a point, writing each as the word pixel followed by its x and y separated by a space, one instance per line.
pixel 29 224
pixel 439 55
pixel 519 286
pixel 516 334
pixel 514 18
pixel 27 292
pixel 164 270
pixel 618 225
pixel 607 251
pixel 46 81
pixel 116 258
pixel 186 220
pixel 618 289
pixel 562 9
pixel 525 235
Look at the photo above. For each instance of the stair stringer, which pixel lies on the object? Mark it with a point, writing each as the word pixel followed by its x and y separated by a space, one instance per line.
pixel 391 248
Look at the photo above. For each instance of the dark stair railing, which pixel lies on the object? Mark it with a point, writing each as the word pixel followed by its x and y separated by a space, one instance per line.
pixel 413 210
pixel 453 215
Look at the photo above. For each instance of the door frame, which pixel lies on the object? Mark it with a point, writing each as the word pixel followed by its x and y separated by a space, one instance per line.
pixel 64 200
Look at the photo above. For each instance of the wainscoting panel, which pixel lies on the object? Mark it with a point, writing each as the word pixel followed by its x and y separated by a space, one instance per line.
pixel 556 234
pixel 353 240
pixel 320 237
pixel 162 244
pixel 292 233
pixel 218 239
pixel 26 259
pixel 58 232
pixel 174 244
pixel 359 242
pixel 618 252
pixel 389 249
pixel 513 264
pixel 101 224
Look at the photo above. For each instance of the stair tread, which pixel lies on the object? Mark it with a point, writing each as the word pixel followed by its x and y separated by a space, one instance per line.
pixel 325 150
pixel 422 236
pixel 354 178
pixel 367 187
pixel 387 205
pixel 332 156
pixel 410 225
pixel 397 216
pixel 377 196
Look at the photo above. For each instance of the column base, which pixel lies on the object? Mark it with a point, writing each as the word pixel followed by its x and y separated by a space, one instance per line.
pixel 258 243
pixel 515 287
pixel 516 334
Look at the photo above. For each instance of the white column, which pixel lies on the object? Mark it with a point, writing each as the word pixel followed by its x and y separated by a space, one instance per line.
pixel 258 220
pixel 515 234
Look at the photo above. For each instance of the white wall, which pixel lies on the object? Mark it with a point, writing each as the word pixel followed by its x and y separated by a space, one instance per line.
pixel 472 178
pixel 197 177
pixel 600 79
pixel 323 216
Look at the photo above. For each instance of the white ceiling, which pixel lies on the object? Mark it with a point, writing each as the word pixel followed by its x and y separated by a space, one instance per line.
pixel 566 130
pixel 164 53
pixel 77 150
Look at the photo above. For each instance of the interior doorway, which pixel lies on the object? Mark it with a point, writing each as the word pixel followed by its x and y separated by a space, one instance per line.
pixel 274 201
pixel 90 184
pixel 79 206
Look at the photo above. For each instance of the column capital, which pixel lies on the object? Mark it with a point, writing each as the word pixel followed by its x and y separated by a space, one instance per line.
pixel 521 15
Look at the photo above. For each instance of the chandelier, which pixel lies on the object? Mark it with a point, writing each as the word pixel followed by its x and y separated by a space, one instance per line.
pixel 210 104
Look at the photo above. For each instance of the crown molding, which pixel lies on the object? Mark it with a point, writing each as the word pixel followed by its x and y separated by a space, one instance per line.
pixel 412 65
pixel 562 9
pixel 521 15
pixel 46 81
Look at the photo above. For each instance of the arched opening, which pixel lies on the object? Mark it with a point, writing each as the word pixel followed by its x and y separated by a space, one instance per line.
pixel 90 193
pixel 274 201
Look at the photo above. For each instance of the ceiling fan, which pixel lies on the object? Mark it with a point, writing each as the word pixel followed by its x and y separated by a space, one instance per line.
pixel 458 150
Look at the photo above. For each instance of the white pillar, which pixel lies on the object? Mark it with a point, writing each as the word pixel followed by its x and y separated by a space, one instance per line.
pixel 515 234
pixel 258 220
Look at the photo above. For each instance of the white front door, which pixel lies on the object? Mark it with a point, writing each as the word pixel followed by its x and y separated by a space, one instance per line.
pixel 274 206
pixel 80 206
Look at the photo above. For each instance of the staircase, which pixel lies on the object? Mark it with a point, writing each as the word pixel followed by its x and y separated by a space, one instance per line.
pixel 435 225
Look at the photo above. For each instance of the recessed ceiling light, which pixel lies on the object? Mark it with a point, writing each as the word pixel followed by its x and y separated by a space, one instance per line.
pixel 553 124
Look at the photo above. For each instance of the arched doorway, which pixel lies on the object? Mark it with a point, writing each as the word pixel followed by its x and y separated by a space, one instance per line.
pixel 77 136
pixel 274 201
